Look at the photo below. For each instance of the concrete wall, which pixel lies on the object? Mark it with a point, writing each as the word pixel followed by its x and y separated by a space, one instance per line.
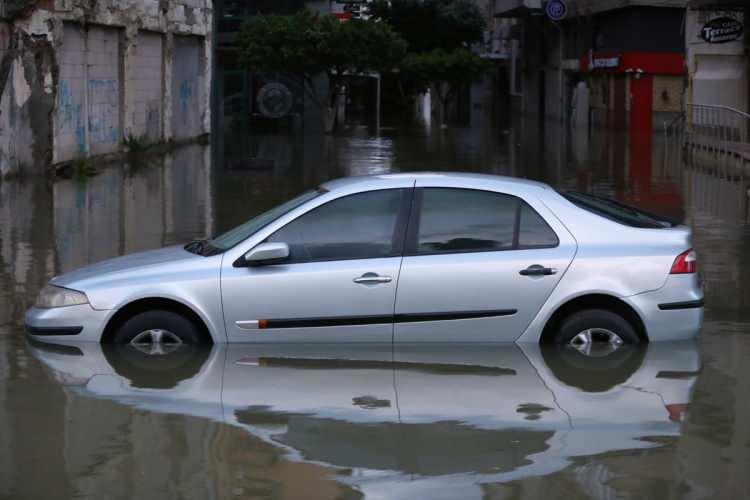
pixel 188 87
pixel 72 89
pixel 88 119
pixel 145 107
pixel 26 99
pixel 104 89
pixel 717 72
pixel 70 122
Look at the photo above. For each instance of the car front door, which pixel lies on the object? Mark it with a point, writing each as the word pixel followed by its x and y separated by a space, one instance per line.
pixel 478 266
pixel 339 282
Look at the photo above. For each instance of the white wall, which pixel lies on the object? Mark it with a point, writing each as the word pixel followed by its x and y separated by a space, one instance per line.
pixel 717 72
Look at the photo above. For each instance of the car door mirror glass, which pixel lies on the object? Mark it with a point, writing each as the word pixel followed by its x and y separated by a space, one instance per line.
pixel 267 253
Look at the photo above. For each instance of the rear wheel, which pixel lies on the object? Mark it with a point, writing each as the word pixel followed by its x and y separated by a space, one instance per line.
pixel 152 330
pixel 595 332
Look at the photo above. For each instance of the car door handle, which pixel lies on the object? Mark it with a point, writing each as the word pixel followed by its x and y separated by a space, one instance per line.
pixel 537 270
pixel 371 279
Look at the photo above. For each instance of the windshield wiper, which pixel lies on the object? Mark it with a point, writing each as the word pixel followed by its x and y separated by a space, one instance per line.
pixel 203 247
pixel 196 246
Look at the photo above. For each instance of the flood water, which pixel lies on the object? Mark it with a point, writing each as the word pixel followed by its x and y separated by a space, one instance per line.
pixel 667 420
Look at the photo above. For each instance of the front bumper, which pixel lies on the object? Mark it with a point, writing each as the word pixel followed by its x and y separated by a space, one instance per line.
pixel 79 323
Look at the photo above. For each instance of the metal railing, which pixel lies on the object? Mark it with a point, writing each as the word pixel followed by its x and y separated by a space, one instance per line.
pixel 719 127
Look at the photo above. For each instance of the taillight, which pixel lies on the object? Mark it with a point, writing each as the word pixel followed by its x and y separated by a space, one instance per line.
pixel 677 412
pixel 685 263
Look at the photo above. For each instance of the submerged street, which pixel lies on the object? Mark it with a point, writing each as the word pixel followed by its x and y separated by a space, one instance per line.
pixel 665 420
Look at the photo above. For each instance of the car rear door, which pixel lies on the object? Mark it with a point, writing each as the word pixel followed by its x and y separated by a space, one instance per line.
pixel 478 265
pixel 339 283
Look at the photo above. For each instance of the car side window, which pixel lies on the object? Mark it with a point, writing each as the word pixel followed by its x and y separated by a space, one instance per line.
pixel 359 226
pixel 451 220
pixel 465 220
pixel 533 230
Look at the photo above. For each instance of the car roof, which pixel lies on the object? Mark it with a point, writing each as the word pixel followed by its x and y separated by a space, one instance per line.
pixel 461 179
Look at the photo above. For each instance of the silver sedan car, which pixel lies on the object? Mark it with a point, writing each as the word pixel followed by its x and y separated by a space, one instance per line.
pixel 426 257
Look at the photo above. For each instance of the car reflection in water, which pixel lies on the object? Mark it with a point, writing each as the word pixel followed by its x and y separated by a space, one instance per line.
pixel 442 419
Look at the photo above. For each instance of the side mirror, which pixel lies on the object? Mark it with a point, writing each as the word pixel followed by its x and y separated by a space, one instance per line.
pixel 267 253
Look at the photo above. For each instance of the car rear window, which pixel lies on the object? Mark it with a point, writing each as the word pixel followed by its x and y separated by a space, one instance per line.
pixel 616 211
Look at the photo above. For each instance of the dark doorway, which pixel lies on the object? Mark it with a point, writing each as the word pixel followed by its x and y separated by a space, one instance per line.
pixel 542 95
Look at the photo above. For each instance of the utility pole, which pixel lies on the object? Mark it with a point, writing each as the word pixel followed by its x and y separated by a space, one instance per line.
pixel 560 70
pixel 556 11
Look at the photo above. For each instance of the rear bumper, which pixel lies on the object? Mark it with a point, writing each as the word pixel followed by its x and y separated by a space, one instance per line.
pixel 79 323
pixel 674 312
pixel 688 304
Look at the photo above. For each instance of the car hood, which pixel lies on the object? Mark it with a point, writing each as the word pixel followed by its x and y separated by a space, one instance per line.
pixel 126 263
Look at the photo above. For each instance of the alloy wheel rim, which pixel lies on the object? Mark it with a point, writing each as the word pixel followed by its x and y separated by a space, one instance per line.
pixel 156 341
pixel 596 342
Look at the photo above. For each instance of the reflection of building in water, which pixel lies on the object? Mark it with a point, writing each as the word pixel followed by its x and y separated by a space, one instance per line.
pixel 165 201
pixel 636 170
pixel 26 250
pixel 715 184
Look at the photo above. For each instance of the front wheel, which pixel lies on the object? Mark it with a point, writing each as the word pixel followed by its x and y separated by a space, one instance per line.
pixel 593 329
pixel 157 328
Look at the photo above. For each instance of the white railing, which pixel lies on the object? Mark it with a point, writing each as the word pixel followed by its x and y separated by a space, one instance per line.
pixel 719 127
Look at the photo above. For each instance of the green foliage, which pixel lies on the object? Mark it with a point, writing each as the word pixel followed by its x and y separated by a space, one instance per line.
pixel 437 34
pixel 136 144
pixel 308 45
pixel 449 67
pixel 432 24
pixel 443 70
pixel 276 43
pixel 81 169
pixel 357 46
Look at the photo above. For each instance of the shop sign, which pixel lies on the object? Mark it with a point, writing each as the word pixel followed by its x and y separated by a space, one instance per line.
pixel 722 30
pixel 610 62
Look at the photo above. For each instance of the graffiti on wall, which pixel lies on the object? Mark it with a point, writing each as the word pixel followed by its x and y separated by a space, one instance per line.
pixel 186 94
pixel 104 111
pixel 69 114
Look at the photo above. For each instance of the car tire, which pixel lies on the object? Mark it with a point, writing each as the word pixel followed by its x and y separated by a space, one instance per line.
pixel 180 326
pixel 595 318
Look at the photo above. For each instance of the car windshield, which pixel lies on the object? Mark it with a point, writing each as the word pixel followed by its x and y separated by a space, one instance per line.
pixel 243 231
pixel 616 211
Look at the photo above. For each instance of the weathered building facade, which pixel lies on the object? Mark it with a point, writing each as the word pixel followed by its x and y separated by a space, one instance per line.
pixel 629 54
pixel 78 78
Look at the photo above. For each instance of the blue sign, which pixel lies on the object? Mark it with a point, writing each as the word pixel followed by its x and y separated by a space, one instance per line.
pixel 556 9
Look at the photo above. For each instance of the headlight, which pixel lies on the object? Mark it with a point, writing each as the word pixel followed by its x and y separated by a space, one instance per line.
pixel 55 296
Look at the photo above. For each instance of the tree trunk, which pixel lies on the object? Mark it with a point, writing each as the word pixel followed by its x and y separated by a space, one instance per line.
pixel 444 117
pixel 331 113
pixel 443 97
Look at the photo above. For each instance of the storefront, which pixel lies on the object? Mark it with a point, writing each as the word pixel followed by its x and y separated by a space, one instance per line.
pixel 633 90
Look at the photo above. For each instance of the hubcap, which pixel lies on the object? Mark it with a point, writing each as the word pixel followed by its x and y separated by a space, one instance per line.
pixel 596 342
pixel 156 341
